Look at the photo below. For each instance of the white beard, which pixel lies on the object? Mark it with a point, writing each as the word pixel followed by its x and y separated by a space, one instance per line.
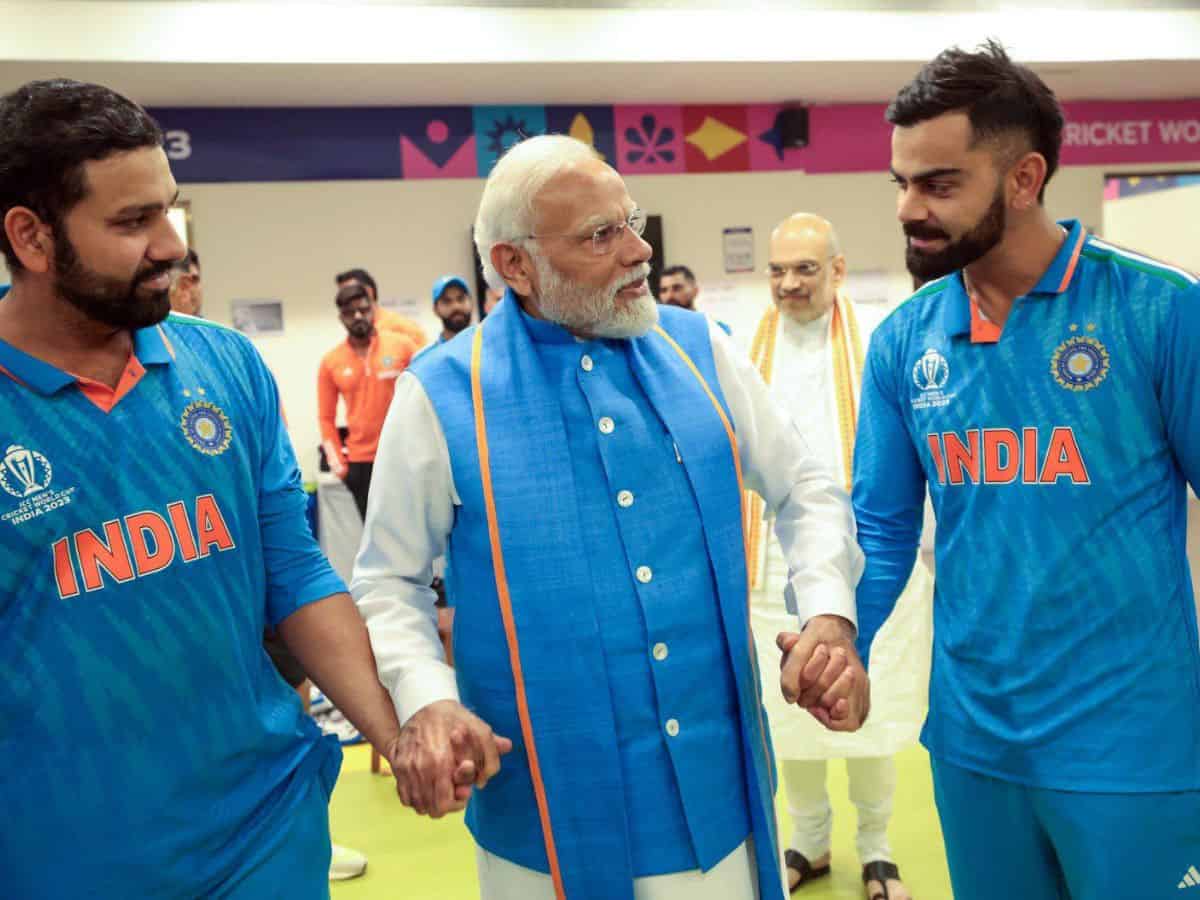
pixel 594 311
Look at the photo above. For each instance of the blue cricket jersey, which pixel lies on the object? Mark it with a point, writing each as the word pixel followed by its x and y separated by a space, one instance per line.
pixel 1057 454
pixel 149 747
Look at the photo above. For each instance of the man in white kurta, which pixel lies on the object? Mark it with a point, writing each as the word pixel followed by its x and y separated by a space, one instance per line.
pixel 809 349
pixel 583 454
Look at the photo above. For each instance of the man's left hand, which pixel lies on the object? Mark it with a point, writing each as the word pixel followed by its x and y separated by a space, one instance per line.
pixel 821 672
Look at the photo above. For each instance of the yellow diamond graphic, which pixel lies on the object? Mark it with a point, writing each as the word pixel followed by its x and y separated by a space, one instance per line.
pixel 714 138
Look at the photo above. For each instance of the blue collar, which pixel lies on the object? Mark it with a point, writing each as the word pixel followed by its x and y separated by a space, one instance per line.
pixel 956 306
pixel 540 330
pixel 149 346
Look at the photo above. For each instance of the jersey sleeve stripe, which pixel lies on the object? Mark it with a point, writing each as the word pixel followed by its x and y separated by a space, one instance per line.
pixel 1145 261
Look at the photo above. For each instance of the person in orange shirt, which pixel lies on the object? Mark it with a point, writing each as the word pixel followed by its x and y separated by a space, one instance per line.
pixel 363 371
pixel 385 319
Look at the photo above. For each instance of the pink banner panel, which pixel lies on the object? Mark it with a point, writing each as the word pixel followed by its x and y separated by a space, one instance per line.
pixel 1149 131
pixel 852 137
pixel 767 153
pixel 649 140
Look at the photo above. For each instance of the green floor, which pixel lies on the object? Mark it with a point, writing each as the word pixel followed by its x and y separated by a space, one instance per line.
pixel 414 858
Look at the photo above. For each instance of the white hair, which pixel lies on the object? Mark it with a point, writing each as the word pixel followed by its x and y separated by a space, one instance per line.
pixel 506 212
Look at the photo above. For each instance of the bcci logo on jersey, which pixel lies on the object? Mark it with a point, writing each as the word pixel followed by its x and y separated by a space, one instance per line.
pixel 930 374
pixel 26 475
pixel 206 427
pixel 1079 363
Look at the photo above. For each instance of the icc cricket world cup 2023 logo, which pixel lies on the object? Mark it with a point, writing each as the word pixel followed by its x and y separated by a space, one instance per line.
pixel 931 371
pixel 24 472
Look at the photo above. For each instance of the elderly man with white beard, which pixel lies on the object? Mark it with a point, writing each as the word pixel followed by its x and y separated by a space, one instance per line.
pixel 581 453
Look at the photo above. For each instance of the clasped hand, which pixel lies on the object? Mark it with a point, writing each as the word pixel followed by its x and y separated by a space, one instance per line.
pixel 821 672
pixel 440 755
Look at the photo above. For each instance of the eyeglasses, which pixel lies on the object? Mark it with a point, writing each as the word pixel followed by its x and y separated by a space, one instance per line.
pixel 604 239
pixel 807 269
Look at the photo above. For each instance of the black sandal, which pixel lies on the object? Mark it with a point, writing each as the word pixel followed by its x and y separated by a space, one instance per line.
pixel 880 871
pixel 794 859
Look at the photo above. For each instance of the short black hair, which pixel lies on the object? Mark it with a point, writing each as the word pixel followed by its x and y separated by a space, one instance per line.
pixel 349 294
pixel 48 130
pixel 362 276
pixel 679 270
pixel 192 259
pixel 1000 98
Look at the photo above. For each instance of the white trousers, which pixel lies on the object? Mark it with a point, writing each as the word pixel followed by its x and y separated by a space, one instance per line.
pixel 872 787
pixel 733 878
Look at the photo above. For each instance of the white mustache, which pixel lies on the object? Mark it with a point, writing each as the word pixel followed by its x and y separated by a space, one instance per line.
pixel 640 273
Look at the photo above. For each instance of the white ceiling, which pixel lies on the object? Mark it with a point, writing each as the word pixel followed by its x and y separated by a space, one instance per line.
pixel 219 53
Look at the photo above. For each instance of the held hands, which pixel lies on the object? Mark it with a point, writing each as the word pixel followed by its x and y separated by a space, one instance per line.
pixel 440 754
pixel 821 672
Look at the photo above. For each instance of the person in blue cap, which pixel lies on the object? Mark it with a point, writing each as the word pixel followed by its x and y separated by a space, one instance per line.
pixel 452 304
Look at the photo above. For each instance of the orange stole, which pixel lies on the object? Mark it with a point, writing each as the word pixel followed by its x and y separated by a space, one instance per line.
pixel 847 375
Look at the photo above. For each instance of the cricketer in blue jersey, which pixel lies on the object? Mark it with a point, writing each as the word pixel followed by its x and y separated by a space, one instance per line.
pixel 1044 390
pixel 152 522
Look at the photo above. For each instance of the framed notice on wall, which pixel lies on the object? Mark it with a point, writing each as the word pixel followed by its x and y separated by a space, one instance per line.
pixel 737 246
pixel 257 318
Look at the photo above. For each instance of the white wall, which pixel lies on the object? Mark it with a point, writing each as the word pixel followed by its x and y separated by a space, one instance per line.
pixel 1161 224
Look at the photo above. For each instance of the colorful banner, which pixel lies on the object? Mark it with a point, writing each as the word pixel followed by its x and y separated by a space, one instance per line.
pixel 437 142
pixel 1102 133
pixel 319 144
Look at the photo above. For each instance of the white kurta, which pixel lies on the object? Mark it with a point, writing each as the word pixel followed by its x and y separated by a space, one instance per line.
pixel 802 382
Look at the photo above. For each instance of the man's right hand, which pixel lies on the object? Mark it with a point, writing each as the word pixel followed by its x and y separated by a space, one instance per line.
pixel 441 753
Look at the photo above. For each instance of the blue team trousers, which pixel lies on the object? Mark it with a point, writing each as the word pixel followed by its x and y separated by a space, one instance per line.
pixel 1006 840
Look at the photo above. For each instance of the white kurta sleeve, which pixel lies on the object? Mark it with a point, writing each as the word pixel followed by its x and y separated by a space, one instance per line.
pixel 813 516
pixel 409 516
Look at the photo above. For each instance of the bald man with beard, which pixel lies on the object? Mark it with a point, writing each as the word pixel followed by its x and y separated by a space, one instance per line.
pixel 809 348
